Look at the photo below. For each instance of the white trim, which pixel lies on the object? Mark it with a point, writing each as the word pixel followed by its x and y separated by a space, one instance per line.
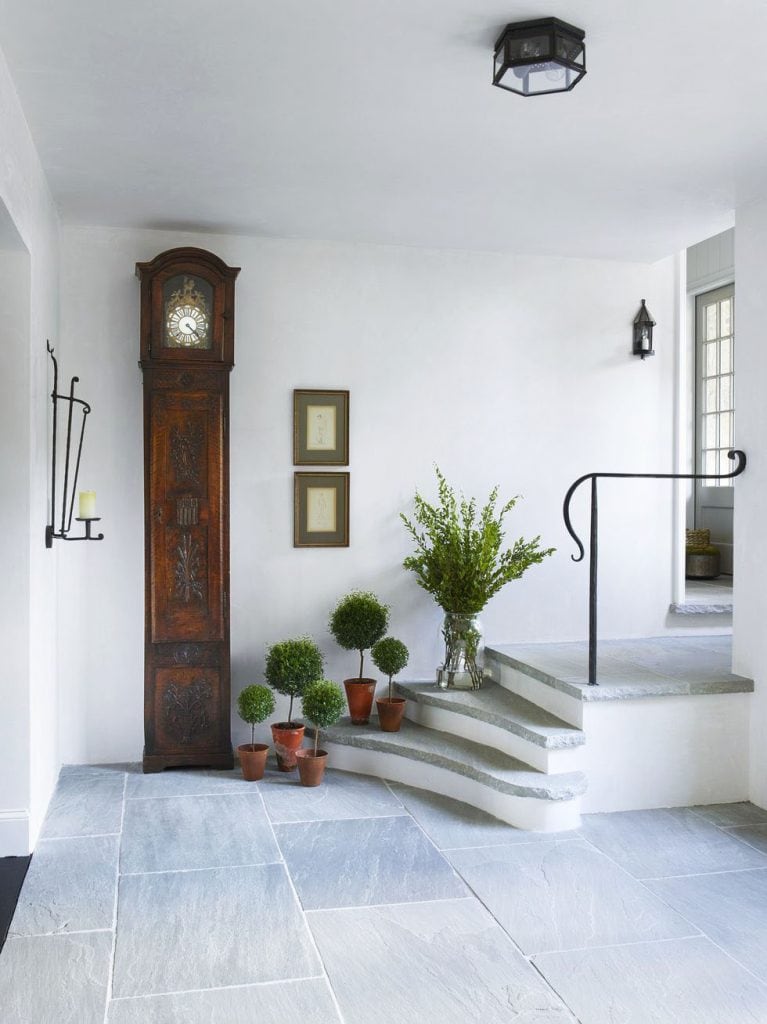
pixel 681 415
pixel 14 832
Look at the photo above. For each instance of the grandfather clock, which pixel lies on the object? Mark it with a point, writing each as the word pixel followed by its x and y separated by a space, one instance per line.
pixel 187 353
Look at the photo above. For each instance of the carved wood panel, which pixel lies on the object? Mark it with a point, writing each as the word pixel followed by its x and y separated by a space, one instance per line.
pixel 186 493
pixel 186 702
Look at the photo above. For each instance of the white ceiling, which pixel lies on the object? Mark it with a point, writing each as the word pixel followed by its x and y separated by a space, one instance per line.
pixel 375 120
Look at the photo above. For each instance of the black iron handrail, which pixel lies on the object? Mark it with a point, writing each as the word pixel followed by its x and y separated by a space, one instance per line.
pixel 736 453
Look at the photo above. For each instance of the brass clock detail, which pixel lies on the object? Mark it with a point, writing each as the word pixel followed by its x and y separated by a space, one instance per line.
pixel 187 353
pixel 187 322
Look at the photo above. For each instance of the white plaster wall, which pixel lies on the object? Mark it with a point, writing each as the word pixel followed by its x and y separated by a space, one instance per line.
pixel 666 752
pixel 750 554
pixel 34 730
pixel 513 370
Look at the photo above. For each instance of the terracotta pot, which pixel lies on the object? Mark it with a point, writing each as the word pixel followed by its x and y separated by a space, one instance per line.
pixel 311 766
pixel 287 737
pixel 253 760
pixel 359 696
pixel 390 713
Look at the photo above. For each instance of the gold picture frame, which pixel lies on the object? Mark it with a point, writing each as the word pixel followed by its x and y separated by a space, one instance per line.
pixel 320 427
pixel 321 510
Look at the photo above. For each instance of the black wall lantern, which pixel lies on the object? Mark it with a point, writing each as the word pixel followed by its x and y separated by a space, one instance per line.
pixel 533 58
pixel 643 325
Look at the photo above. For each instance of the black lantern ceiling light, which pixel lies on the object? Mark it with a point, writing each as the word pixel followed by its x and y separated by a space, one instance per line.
pixel 643 325
pixel 533 58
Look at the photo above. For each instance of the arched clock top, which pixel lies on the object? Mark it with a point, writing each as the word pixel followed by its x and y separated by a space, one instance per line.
pixel 187 308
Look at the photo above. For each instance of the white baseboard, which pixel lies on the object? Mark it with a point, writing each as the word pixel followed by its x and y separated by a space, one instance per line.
pixel 14 833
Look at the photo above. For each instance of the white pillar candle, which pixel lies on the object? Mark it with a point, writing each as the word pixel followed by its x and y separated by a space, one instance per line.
pixel 87 504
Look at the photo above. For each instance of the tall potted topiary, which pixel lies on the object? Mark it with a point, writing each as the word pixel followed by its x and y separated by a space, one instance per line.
pixel 390 656
pixel 255 703
pixel 458 560
pixel 323 705
pixel 290 666
pixel 358 621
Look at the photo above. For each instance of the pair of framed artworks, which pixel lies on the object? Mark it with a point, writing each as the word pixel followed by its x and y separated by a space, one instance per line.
pixel 321 499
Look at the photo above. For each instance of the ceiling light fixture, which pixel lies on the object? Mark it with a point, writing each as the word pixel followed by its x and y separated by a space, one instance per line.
pixel 533 58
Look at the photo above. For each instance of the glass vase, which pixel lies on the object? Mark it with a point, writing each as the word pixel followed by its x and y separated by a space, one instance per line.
pixel 464 650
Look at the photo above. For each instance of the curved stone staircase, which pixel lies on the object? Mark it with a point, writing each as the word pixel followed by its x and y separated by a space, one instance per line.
pixel 668 726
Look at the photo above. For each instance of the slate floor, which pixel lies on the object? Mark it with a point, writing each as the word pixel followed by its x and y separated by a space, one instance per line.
pixel 197 898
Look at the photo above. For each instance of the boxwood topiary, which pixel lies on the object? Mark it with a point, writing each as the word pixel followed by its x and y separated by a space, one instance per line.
pixel 390 656
pixel 290 666
pixel 254 704
pixel 323 704
pixel 358 621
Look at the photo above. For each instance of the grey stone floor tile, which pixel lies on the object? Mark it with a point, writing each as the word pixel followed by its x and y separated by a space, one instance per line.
pixel 436 963
pixel 676 841
pixel 553 896
pixel 452 825
pixel 100 770
pixel 726 815
pixel 195 832
pixel 70 886
pixel 85 805
pixel 185 930
pixel 731 908
pixel 309 1002
pixel 687 981
pixel 55 979
pixel 341 795
pixel 753 835
pixel 187 782
pixel 362 862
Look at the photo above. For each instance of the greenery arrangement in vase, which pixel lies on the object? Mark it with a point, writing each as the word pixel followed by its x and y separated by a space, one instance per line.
pixel 291 666
pixel 390 656
pixel 323 705
pixel 254 704
pixel 459 561
pixel 357 622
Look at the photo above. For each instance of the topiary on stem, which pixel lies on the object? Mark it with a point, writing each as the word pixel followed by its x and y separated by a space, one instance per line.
pixel 323 704
pixel 390 656
pixel 290 666
pixel 358 621
pixel 458 558
pixel 254 704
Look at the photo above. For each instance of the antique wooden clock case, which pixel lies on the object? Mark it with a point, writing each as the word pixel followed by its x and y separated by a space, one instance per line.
pixel 187 353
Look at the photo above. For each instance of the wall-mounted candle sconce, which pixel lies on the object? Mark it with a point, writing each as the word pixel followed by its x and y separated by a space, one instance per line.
pixel 87 504
pixel 643 325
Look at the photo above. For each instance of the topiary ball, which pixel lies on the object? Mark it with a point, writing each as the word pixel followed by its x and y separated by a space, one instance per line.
pixel 255 703
pixel 323 703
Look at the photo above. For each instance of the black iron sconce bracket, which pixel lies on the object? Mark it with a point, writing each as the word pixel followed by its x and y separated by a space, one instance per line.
pixel 70 478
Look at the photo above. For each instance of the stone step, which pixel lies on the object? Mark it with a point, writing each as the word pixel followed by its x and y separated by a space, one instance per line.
pixel 555 675
pixel 456 767
pixel 495 716
pixel 668 724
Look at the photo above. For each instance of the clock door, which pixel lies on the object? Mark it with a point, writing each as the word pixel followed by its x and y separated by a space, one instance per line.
pixel 185 474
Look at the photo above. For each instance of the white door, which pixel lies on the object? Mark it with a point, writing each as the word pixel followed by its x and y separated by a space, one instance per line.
pixel 715 338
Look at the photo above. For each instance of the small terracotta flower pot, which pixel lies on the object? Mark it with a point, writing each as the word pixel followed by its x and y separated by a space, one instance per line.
pixel 253 760
pixel 390 713
pixel 359 696
pixel 311 766
pixel 287 737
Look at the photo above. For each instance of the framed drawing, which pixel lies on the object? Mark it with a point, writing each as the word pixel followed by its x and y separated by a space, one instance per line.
pixel 320 428
pixel 321 510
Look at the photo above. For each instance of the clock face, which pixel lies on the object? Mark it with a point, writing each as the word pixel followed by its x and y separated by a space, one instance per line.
pixel 187 318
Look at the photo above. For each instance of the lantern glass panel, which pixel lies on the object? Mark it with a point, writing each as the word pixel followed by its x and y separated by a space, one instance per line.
pixel 530 48
pixel 569 49
pixel 548 76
